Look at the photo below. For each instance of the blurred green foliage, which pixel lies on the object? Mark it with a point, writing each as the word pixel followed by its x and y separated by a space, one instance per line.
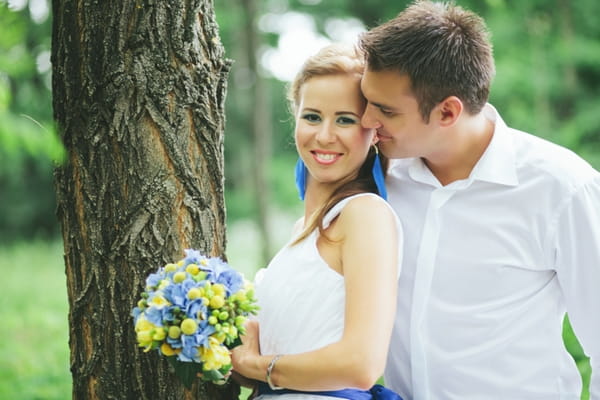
pixel 548 76
pixel 29 146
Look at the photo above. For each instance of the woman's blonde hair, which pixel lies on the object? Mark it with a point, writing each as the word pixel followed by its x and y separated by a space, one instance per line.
pixel 334 59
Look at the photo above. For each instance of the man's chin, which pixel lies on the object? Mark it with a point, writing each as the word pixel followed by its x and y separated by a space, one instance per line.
pixel 388 149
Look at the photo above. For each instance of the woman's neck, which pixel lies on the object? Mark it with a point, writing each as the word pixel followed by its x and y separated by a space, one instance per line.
pixel 315 197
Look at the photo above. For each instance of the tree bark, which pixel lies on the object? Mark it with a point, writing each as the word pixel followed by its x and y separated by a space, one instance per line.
pixel 138 96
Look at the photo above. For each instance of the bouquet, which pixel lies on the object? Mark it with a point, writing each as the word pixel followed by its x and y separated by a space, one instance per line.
pixel 193 312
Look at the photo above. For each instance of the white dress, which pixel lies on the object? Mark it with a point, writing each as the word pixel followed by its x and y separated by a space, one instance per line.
pixel 302 299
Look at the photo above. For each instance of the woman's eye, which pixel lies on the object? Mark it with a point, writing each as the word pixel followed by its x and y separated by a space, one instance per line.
pixel 311 117
pixel 343 120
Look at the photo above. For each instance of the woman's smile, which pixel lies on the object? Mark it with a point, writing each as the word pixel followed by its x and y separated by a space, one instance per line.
pixel 325 157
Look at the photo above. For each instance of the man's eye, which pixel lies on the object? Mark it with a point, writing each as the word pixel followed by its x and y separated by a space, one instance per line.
pixel 386 112
pixel 311 117
pixel 343 120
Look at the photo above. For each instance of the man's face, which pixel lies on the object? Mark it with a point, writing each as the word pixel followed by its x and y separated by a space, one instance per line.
pixel 393 110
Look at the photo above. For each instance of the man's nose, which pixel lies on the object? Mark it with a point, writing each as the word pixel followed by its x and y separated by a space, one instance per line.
pixel 368 119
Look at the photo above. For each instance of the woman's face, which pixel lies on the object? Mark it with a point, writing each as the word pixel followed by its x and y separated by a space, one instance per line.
pixel 329 136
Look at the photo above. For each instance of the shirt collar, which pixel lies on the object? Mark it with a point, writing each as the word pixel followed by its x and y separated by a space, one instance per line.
pixel 498 162
pixel 496 165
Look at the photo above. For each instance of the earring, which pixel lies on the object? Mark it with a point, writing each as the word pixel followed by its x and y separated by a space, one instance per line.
pixel 378 176
pixel 300 173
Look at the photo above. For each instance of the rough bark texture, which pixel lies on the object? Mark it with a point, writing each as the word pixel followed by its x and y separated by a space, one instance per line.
pixel 138 93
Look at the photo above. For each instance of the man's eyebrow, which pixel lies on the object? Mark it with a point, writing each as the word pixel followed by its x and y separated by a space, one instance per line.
pixel 379 105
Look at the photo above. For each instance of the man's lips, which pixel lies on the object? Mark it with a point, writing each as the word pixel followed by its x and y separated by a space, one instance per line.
pixel 383 138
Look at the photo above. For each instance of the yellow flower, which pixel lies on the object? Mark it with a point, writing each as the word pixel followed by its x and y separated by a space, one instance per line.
pixel 159 334
pixel 167 350
pixel 195 293
pixel 174 332
pixel 215 356
pixel 192 269
pixel 144 339
pixel 217 301
pixel 219 289
pixel 159 301
pixel 170 267
pixel 179 277
pixel 188 326
pixel 144 331
pixel 220 336
pixel 240 296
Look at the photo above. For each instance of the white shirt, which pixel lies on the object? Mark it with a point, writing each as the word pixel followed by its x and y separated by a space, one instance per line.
pixel 491 264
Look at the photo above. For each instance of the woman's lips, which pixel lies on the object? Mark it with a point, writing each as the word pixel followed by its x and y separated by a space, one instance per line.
pixel 325 157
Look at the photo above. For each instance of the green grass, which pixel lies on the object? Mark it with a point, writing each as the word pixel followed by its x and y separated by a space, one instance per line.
pixel 34 352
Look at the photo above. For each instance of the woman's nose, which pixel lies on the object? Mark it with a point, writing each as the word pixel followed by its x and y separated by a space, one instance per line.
pixel 326 133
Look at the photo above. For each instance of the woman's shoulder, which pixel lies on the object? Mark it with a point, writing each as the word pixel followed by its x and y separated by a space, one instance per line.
pixel 367 209
pixel 365 203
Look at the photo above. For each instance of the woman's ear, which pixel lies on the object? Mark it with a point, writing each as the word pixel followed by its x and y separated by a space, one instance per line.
pixel 449 110
pixel 375 140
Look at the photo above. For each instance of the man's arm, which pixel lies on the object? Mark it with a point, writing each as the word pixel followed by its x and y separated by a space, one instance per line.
pixel 577 240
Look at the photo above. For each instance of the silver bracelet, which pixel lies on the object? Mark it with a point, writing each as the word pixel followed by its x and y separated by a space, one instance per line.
pixel 270 369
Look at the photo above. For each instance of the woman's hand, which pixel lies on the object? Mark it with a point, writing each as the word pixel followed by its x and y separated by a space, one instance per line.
pixel 243 381
pixel 244 357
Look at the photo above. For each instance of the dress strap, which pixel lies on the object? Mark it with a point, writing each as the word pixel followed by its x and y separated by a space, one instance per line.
pixel 337 209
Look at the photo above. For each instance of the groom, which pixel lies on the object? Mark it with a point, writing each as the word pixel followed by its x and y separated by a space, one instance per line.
pixel 502 228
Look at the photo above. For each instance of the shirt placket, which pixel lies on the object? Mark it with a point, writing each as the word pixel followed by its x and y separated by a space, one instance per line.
pixel 423 278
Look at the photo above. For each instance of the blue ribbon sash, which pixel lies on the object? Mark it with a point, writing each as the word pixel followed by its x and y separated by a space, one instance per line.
pixel 377 392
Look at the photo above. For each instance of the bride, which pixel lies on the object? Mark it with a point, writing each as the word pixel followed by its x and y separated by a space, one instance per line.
pixel 327 299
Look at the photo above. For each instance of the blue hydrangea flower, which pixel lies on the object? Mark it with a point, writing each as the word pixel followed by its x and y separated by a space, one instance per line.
pixel 195 308
pixel 168 313
pixel 176 295
pixel 136 314
pixel 193 257
pixel 154 315
pixel 153 280
pixel 227 276
pixel 175 343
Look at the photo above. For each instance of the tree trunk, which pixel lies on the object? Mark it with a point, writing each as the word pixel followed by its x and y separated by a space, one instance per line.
pixel 138 95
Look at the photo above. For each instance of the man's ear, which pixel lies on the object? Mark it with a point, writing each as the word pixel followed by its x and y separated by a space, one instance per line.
pixel 449 110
